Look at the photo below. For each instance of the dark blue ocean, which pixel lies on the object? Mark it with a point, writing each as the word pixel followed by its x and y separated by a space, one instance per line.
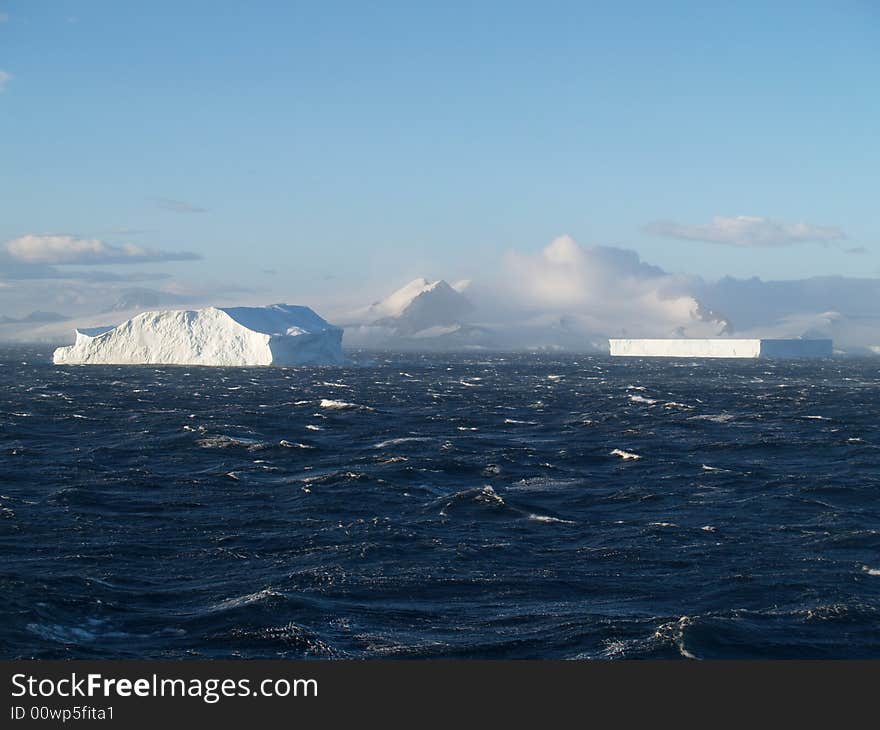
pixel 418 506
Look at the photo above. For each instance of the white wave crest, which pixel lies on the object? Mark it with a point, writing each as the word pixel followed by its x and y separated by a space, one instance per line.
pixel 625 455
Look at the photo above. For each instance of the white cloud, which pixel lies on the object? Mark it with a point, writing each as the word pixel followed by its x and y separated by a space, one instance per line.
pixel 581 295
pixel 57 249
pixel 5 78
pixel 602 290
pixel 748 231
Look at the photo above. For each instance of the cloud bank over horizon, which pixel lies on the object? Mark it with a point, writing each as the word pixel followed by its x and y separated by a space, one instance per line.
pixel 69 250
pixel 603 291
pixel 598 291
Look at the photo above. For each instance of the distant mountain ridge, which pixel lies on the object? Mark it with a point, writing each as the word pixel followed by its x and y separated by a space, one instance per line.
pixel 34 318
pixel 417 306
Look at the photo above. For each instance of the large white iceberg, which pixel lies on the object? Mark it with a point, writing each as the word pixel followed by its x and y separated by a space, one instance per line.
pixel 280 334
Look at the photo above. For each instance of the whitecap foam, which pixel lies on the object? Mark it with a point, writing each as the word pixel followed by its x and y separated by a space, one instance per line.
pixel 625 455
pixel 393 460
pixel 642 399
pixel 402 440
pixel 222 441
pixel 676 404
pixel 718 469
pixel 547 518
pixel 714 417
pixel 615 648
pixel 245 600
pixel 673 632
pixel 340 405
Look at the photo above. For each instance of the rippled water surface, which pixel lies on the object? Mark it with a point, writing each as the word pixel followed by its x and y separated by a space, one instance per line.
pixel 497 506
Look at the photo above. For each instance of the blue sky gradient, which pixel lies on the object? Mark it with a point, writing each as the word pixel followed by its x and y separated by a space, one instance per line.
pixel 382 141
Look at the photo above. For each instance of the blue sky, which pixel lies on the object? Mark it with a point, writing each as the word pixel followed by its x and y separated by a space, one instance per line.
pixel 384 141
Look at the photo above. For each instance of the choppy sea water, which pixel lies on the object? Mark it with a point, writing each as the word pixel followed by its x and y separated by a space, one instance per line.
pixel 492 506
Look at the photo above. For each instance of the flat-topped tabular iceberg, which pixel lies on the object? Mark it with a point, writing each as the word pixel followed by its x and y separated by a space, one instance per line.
pixel 726 347
pixel 280 334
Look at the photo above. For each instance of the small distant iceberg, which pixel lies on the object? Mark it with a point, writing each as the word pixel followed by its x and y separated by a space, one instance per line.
pixel 279 334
